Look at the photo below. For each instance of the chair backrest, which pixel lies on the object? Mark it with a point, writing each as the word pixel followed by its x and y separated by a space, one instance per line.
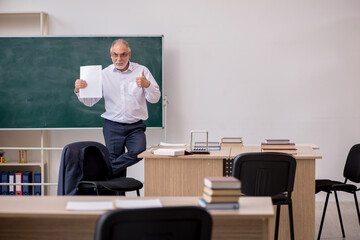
pixel 79 161
pixel 352 165
pixel 167 223
pixel 265 174
pixel 94 166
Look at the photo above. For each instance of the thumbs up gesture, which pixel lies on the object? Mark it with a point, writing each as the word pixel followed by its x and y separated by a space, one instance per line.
pixel 142 81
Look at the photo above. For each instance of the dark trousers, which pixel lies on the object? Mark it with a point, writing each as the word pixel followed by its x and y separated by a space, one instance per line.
pixel 119 136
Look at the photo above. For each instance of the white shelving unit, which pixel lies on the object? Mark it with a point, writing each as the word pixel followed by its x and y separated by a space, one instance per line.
pixel 43 164
pixel 43 19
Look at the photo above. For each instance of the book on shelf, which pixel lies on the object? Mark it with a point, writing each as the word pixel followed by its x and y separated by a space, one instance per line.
pixel 218 205
pixel 12 180
pixel 4 179
pixel 18 179
pixel 277 141
pixel 218 182
pixel 27 178
pixel 37 179
pixel 169 151
pixel 220 198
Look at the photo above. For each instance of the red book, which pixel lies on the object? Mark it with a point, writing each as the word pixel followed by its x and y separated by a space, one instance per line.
pixel 18 179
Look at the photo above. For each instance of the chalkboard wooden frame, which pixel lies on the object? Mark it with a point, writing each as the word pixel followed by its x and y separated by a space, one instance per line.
pixel 37 77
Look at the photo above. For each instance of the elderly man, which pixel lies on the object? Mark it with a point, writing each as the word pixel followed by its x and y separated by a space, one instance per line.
pixel 126 88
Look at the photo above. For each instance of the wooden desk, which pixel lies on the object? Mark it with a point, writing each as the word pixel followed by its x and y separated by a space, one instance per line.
pixel 184 176
pixel 34 217
pixel 181 175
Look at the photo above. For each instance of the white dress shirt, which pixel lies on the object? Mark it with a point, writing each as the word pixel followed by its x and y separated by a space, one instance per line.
pixel 125 102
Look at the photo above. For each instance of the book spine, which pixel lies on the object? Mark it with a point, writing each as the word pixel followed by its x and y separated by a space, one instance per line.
pixel 5 179
pixel 37 179
pixel 18 179
pixel 11 180
pixel 26 178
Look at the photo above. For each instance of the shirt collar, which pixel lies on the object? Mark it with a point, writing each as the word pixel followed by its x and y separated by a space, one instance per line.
pixel 130 69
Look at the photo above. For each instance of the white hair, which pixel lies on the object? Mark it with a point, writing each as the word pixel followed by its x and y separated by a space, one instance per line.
pixel 120 41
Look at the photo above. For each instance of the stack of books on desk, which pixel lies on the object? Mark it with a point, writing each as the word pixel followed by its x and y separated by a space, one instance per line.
pixel 278 145
pixel 169 151
pixel 231 142
pixel 220 193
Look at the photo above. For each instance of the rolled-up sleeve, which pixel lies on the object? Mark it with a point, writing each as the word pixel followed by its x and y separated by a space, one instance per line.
pixel 152 93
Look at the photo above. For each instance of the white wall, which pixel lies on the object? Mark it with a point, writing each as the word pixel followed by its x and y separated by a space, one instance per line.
pixel 256 69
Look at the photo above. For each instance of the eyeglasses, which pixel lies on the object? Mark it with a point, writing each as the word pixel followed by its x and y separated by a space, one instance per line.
pixel 121 55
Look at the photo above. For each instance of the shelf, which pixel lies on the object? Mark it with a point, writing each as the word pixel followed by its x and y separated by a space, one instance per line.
pixel 43 19
pixel 29 184
pixel 29 164
pixel 23 13
pixel 41 165
pixel 31 148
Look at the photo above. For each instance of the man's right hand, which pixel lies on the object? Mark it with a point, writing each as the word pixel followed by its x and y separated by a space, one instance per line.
pixel 79 83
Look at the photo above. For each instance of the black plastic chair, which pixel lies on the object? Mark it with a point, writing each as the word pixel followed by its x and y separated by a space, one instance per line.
pixel 166 223
pixel 86 170
pixel 351 172
pixel 268 174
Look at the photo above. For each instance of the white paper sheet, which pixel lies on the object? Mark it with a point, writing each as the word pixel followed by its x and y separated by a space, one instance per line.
pixel 109 205
pixel 90 205
pixel 146 203
pixel 93 77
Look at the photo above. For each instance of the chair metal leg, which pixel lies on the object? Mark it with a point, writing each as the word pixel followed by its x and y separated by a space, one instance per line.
pixel 138 192
pixel 291 221
pixel 357 206
pixel 277 222
pixel 339 213
pixel 323 215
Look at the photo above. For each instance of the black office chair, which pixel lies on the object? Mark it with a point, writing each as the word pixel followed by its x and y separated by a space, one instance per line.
pixel 166 223
pixel 268 174
pixel 351 172
pixel 85 169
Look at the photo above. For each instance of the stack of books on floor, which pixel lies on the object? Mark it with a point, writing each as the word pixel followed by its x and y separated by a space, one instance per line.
pixel 278 145
pixel 220 193
pixel 231 142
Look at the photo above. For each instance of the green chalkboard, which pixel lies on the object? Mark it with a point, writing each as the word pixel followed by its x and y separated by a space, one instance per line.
pixel 37 76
